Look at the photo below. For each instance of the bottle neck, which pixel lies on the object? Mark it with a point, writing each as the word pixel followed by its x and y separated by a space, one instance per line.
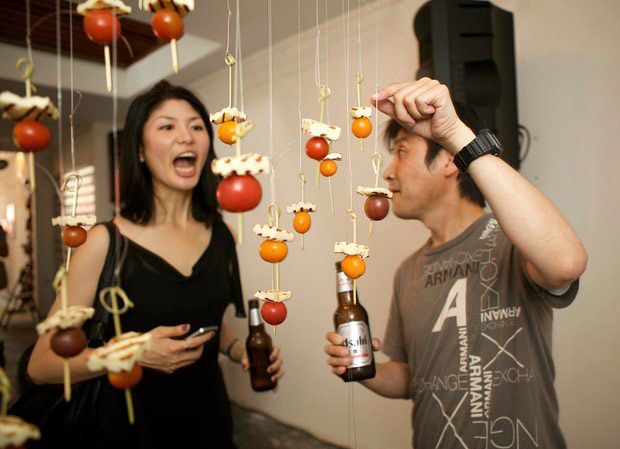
pixel 344 288
pixel 255 320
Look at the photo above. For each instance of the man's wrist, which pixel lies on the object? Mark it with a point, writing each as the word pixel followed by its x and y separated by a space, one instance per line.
pixel 461 137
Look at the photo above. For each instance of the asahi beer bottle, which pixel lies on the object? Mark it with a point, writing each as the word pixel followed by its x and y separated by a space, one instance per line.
pixel 258 345
pixel 351 321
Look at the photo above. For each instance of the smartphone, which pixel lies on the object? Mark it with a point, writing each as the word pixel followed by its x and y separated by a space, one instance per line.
pixel 202 331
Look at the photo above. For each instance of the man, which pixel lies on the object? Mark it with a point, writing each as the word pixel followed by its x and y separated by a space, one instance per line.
pixel 469 330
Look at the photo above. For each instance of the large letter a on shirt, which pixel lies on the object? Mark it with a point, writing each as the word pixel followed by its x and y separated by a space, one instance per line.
pixel 457 293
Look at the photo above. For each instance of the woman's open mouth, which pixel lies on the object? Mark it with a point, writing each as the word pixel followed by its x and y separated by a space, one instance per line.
pixel 185 164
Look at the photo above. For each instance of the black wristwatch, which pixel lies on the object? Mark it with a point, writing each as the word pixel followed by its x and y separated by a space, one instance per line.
pixel 484 143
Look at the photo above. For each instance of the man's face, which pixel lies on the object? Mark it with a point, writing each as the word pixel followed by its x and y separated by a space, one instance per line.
pixel 416 186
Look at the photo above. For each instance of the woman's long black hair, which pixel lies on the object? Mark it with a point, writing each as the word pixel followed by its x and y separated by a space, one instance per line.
pixel 137 197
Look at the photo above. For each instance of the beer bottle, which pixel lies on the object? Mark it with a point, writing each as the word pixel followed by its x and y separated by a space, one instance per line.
pixel 351 321
pixel 258 345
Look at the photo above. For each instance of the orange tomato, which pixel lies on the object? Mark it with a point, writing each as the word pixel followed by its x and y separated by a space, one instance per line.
pixel 302 222
pixel 273 251
pixel 361 127
pixel 227 131
pixel 328 167
pixel 124 379
pixel 353 266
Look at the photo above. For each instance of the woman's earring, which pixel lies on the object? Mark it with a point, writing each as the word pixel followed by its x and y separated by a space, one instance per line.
pixel 141 157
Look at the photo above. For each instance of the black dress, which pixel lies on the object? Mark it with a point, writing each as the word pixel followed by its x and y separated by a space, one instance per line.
pixel 189 408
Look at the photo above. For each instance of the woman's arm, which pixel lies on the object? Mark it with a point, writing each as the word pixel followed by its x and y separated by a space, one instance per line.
pixel 45 367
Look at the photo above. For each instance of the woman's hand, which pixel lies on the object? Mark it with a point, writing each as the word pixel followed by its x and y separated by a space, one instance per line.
pixel 168 354
pixel 239 354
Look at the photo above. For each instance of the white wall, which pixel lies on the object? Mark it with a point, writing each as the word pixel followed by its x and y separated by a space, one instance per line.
pixel 568 78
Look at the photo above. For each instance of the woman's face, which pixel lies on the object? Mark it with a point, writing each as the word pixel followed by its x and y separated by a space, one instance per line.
pixel 175 145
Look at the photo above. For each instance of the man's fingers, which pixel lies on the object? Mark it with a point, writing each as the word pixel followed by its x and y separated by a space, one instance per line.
pixel 386 106
pixel 275 366
pixel 388 91
pixel 339 361
pixel 275 353
pixel 376 344
pixel 334 338
pixel 339 371
pixel 336 351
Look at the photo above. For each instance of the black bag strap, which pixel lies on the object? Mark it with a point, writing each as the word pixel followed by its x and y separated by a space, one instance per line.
pixel 110 275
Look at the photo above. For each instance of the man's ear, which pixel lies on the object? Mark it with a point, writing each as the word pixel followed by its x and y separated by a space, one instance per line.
pixel 447 164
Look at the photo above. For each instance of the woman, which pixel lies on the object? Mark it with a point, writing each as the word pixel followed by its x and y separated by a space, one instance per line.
pixel 179 271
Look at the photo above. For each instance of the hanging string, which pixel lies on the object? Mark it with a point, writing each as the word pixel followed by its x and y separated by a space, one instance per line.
pixel 299 85
pixel 272 174
pixel 376 158
pixel 326 65
pixel 359 37
pixel 72 88
pixel 228 27
pixel 346 68
pixel 61 163
pixel 239 65
pixel 317 59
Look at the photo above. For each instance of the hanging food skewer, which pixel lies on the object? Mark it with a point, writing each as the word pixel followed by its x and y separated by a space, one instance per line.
pixel 102 26
pixel 14 431
pixel 167 22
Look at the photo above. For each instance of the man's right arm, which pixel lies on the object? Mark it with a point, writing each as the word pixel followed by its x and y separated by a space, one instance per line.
pixel 391 380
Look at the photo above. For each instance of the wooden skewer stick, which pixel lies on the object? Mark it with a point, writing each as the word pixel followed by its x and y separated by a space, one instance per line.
pixel 331 195
pixel 108 67
pixel 33 182
pixel 175 56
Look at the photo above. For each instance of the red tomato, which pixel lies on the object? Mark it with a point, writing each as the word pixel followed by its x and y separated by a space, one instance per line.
pixel 273 313
pixel 167 25
pixel 239 193
pixel 73 236
pixel 102 26
pixel 124 379
pixel 317 148
pixel 377 207
pixel 31 136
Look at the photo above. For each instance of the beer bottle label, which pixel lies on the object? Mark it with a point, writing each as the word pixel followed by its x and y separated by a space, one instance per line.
pixel 357 338
pixel 254 317
pixel 343 283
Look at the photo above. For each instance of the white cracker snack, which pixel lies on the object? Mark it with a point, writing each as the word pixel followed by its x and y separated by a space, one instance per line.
pixel 318 129
pixel 273 233
pixel 180 6
pixel 15 432
pixel 352 249
pixel 75 316
pixel 19 108
pixel 120 353
pixel 372 191
pixel 241 165
pixel 360 111
pixel 301 206
pixel 273 295
pixel 78 220
pixel 334 156
pixel 227 114
pixel 119 7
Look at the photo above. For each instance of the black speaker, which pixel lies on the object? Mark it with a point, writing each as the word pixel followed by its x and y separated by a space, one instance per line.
pixel 469 46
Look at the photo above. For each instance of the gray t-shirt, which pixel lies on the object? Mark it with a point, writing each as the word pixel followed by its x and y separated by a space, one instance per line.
pixel 475 332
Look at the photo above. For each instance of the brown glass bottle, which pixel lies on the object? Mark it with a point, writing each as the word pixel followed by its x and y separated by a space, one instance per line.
pixel 258 345
pixel 351 321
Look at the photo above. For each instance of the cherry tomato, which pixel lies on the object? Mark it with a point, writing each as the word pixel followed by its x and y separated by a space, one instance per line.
pixel 273 313
pixel 328 167
pixel 73 236
pixel 68 342
pixel 227 131
pixel 302 222
pixel 317 148
pixel 31 136
pixel 167 24
pixel 273 251
pixel 353 266
pixel 361 127
pixel 124 379
pixel 239 193
pixel 376 207
pixel 102 26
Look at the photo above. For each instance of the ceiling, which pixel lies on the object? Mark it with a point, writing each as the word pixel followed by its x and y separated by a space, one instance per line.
pixel 201 49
